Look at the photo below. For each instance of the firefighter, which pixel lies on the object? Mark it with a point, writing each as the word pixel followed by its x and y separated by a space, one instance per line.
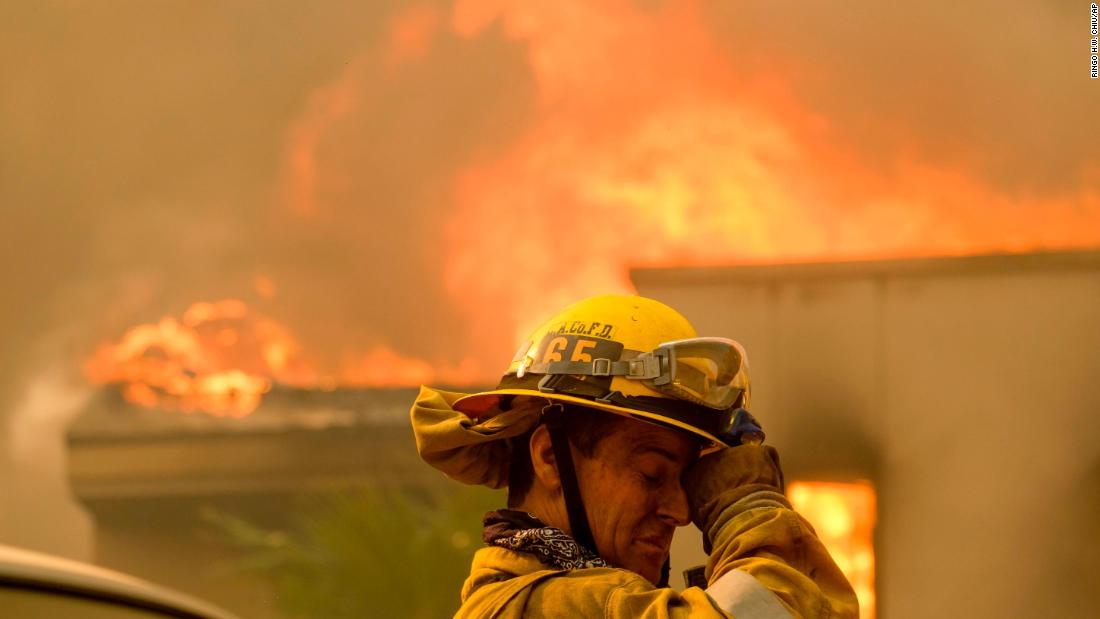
pixel 613 425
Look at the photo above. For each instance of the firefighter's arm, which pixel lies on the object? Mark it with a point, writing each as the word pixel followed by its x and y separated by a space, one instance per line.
pixel 764 558
pixel 609 593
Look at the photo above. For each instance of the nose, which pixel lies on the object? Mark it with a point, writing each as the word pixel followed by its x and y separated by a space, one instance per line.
pixel 673 508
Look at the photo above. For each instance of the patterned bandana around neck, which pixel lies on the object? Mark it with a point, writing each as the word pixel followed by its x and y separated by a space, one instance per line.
pixel 523 532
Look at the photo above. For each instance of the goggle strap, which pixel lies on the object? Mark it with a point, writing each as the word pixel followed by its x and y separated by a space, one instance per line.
pixel 643 367
pixel 571 385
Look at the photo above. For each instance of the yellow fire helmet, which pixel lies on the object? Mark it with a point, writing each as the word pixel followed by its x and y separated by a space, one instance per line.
pixel 631 356
pixel 626 355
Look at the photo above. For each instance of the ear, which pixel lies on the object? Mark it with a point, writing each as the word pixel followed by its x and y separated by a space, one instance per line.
pixel 542 459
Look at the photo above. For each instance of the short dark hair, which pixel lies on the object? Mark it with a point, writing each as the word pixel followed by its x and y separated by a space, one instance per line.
pixel 586 428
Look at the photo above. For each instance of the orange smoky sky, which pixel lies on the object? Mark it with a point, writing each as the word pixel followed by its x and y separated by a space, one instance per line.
pixel 420 182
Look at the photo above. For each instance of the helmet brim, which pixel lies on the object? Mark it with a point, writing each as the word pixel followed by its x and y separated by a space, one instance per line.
pixel 487 403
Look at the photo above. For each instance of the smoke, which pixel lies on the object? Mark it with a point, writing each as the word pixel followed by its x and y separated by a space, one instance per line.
pixel 430 177
pixel 40 510
pixel 1000 88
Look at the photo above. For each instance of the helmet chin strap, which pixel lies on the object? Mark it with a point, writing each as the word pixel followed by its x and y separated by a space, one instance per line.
pixel 554 413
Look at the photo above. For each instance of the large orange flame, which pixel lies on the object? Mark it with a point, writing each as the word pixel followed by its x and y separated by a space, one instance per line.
pixel 650 148
pixel 221 358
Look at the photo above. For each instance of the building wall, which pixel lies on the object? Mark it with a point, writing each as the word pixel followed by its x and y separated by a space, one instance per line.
pixel 966 389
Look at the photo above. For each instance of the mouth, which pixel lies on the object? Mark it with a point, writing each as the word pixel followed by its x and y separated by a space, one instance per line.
pixel 654 544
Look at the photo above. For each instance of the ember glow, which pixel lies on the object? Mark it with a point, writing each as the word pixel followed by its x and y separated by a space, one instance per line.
pixel 844 517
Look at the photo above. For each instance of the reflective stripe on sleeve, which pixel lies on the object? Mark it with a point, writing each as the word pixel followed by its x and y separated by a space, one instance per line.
pixel 741 595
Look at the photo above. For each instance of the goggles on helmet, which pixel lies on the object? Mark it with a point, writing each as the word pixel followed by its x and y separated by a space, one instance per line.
pixel 702 370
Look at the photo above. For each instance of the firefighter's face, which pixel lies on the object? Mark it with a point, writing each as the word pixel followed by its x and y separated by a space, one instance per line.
pixel 632 492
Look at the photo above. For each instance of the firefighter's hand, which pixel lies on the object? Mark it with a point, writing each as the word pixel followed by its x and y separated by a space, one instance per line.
pixel 729 475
